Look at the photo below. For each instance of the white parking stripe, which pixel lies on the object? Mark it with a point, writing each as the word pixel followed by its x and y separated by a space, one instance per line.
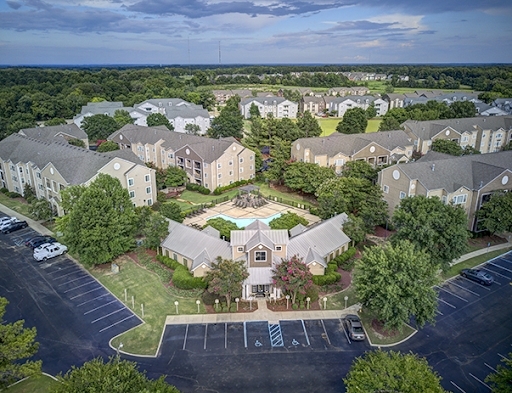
pixel 64 268
pixel 117 323
pixel 108 315
pixel 441 300
pixel 325 331
pixel 501 356
pixel 482 382
pixel 65 275
pixel 185 338
pixel 501 267
pixel 453 294
pixel 80 286
pixel 458 387
pixel 85 293
pixel 92 300
pixel 476 283
pixel 495 272
pixel 492 368
pixel 97 308
pixel 205 333
pixel 439 312
pixel 345 331
pixel 305 331
pixel 463 288
pixel 76 279
pixel 225 335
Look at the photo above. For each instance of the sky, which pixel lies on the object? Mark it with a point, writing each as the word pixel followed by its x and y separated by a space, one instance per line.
pixel 82 32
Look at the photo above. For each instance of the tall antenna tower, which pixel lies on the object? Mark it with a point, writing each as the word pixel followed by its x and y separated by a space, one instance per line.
pixel 219 54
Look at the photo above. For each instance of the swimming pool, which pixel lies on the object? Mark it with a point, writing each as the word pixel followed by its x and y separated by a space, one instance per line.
pixel 243 222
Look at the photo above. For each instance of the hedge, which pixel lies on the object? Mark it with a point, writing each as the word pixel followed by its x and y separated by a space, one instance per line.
pixel 345 260
pixel 220 190
pixel 330 277
pixel 198 188
pixel 182 278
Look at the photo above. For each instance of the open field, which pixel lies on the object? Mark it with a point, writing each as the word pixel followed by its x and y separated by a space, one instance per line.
pixel 329 124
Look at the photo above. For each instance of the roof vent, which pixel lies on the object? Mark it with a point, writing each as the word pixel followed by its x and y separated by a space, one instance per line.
pixel 433 167
pixel 481 184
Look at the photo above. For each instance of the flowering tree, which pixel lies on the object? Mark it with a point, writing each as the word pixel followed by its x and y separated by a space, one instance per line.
pixel 226 278
pixel 293 276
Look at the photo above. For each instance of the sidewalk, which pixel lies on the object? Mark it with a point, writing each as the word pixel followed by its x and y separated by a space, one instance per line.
pixel 32 223
pixel 482 251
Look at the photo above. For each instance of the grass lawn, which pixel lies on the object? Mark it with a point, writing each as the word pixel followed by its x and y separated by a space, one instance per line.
pixel 15 204
pixel 337 300
pixel 373 125
pixel 198 198
pixel 183 205
pixel 329 124
pixel 147 289
pixel 35 384
pixel 469 263
pixel 294 197
pixel 378 339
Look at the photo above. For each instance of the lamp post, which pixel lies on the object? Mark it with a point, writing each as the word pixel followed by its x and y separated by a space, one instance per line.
pixel 287 299
pixel 346 299
pixel 118 348
pixel 325 303
pixel 308 299
pixel 176 304
pixel 198 302
pixel 237 300
pixel 216 304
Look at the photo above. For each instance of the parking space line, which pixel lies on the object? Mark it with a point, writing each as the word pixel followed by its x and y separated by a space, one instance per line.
pixel 345 331
pixel 97 308
pixel 476 283
pixel 205 333
pixel 465 289
pixel 108 315
pixel 60 270
pixel 451 293
pixel 245 335
pixel 501 267
pixel 80 286
pixel 458 387
pixel 495 272
pixel 76 279
pixel 92 300
pixel 185 338
pixel 492 368
pixel 441 300
pixel 439 312
pixel 85 293
pixel 225 335
pixel 65 275
pixel 305 332
pixel 325 331
pixel 117 323
pixel 501 356
pixel 482 382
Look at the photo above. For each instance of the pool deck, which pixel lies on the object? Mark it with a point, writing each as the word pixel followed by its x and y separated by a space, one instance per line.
pixel 229 209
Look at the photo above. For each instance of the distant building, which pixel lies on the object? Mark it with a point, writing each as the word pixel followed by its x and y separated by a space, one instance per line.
pixel 278 107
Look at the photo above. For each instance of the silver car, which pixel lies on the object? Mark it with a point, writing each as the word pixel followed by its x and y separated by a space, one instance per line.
pixel 354 327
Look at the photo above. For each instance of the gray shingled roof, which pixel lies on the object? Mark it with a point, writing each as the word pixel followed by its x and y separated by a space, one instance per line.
pixel 140 134
pixel 472 171
pixel 427 129
pixel 262 100
pixel 75 164
pixel 349 144
pixel 49 132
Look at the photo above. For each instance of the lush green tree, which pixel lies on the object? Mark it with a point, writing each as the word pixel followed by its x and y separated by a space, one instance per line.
pixel 254 111
pixel 507 147
pixel 41 209
pixel 114 376
pixel 371 112
pixel 389 124
pixel 395 282
pixel 226 278
pixel 355 196
pixel 77 142
pixel 29 193
pixel 447 147
pixel 280 152
pixel 100 220
pixel 229 122
pixel 223 226
pixel 142 216
pixel 354 122
pixel 122 118
pixel 461 109
pixel 56 121
pixel 287 221
pixel 171 210
pixel 306 176
pixel 157 119
pixel 308 125
pixel 193 129
pixel 361 170
pixel 16 343
pixel 107 146
pixel 501 380
pixel 355 229
pixel 175 176
pixel 389 371
pixel 469 150
pixel 495 215
pixel 258 136
pixel 433 226
pixel 99 126
pixel 293 277
pixel 155 231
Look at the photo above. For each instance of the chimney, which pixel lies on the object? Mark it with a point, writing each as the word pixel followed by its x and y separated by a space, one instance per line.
pixel 433 167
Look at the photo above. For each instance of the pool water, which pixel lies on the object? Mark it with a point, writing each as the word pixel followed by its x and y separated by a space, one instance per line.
pixel 243 222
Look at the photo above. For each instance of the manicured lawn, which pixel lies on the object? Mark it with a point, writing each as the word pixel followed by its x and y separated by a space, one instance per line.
pixel 35 384
pixel 329 124
pixel 293 197
pixel 337 301
pixel 15 204
pixel 469 263
pixel 373 125
pixel 197 198
pixel 147 289
pixel 378 339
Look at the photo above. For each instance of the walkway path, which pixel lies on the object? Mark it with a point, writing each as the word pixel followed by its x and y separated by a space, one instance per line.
pixel 32 223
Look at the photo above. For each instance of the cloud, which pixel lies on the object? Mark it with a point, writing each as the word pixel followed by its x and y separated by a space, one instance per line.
pixel 13 4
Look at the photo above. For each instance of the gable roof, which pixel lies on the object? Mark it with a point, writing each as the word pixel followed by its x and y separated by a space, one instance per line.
pixel 49 132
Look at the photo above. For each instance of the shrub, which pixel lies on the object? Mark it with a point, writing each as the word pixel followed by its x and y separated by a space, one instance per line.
pixel 4 190
pixel 330 277
pixel 295 306
pixel 182 278
pixel 198 188
pixel 13 195
pixel 346 260
pixel 220 190
pixel 169 262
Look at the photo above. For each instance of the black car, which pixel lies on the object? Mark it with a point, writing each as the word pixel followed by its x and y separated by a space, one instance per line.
pixel 15 226
pixel 477 275
pixel 36 241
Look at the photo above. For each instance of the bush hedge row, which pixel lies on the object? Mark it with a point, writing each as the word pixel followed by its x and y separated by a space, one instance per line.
pixel 182 278
pixel 220 190
pixel 346 260
pixel 330 277
pixel 198 188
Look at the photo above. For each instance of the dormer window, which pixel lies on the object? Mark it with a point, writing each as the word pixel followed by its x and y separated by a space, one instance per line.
pixel 240 249
pixel 260 256
pixel 279 248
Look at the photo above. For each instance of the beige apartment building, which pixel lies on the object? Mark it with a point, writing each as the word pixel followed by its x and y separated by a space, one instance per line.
pixel 52 165
pixel 335 150
pixel 208 162
pixel 468 181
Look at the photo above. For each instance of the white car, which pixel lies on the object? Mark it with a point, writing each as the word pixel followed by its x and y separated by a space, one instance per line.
pixel 6 221
pixel 49 250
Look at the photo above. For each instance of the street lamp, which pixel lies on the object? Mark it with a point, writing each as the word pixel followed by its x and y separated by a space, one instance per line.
pixel 176 304
pixel 346 299
pixel 237 300
pixel 118 348
pixel 198 302
pixel 325 303
pixel 217 304
pixel 308 299
pixel 287 299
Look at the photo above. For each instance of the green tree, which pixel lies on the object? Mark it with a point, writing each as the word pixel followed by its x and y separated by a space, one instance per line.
pixel 155 231
pixel 287 221
pixel 254 111
pixel 308 125
pixel 389 371
pixel 395 282
pixel 175 176
pixel 354 122
pixel 28 193
pixel 469 150
pixel 507 147
pixel 229 122
pixel 193 129
pixel 433 226
pixel 99 126
pixel 355 229
pixel 16 343
pixel 371 112
pixel 501 380
pixel 461 109
pixel 361 170
pixel 157 119
pixel 389 123
pixel 226 278
pixel 122 118
pixel 107 146
pixel 293 277
pixel 77 142
pixel 495 215
pixel 41 209
pixel 447 147
pixel 306 176
pixel 100 220
pixel 355 196
pixel 114 376
pixel 223 226
pixel 172 211
pixel 56 121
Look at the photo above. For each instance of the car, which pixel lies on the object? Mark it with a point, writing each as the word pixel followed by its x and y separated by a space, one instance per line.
pixel 14 226
pixel 6 221
pixel 36 241
pixel 49 250
pixel 354 327
pixel 477 275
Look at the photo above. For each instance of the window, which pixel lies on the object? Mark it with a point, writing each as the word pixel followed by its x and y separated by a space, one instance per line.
pixel 150 202
pixel 230 163
pixel 170 155
pixel 205 175
pixel 459 199
pixel 219 175
pixel 174 256
pixel 38 175
pixel 251 158
pixel 240 249
pixel 250 167
pixel 241 159
pixel 132 194
pixel 130 182
pixel 241 170
pixel 443 198
pixel 385 189
pixel 146 178
pixel 205 165
pixel 464 138
pixel 148 190
pixel 402 195
pixel 260 256
pixel 219 165
pixel 340 162
pixel 185 262
pixel 279 248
